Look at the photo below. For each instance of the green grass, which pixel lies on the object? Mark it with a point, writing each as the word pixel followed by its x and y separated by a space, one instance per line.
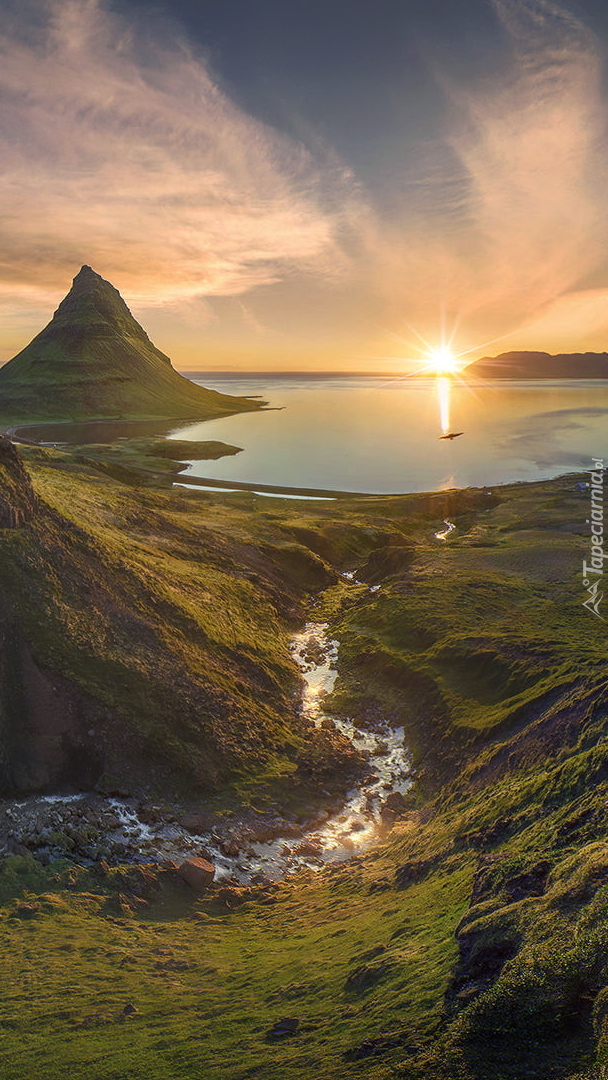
pixel 210 984
pixel 465 965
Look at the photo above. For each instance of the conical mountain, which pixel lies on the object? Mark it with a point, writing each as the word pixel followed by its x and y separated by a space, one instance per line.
pixel 95 361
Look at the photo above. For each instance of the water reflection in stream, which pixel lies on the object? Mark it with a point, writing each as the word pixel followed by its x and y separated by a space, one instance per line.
pixel 95 827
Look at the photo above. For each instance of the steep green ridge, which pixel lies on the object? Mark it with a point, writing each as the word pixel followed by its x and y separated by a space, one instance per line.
pixel 94 360
pixel 472 945
pixel 145 637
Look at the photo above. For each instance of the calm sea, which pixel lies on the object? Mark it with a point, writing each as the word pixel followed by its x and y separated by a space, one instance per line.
pixel 358 433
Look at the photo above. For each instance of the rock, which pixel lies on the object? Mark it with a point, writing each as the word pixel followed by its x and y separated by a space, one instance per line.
pixel 27 911
pixel 149 815
pixel 198 873
pixel 530 883
pixel 129 1010
pixel 395 803
pixel 196 823
pixel 287 1026
pixel 260 879
pixel 231 897
pixel 481 838
pixel 230 848
pixel 18 849
pixel 483 879
pixel 18 502
pixel 309 847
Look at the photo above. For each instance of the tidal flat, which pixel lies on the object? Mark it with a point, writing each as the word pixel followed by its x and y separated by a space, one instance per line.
pixel 154 628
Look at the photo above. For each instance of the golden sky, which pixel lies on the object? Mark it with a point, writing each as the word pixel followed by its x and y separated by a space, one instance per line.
pixel 469 200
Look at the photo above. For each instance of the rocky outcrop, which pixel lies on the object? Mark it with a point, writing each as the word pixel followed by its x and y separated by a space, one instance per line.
pixel 385 562
pixel 17 499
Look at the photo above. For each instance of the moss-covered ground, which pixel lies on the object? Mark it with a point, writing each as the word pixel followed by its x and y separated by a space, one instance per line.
pixel 472 944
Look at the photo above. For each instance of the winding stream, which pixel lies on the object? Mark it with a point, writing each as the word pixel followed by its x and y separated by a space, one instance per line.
pixel 90 827
pixel 444 533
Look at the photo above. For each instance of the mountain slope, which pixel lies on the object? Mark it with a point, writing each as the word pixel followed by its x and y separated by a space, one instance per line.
pixel 144 641
pixel 94 360
pixel 541 365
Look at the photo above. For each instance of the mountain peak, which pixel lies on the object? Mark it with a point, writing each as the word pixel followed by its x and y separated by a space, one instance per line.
pixel 87 276
pixel 93 301
pixel 95 360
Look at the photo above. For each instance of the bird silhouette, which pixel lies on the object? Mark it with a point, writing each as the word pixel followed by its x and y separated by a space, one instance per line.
pixel 452 435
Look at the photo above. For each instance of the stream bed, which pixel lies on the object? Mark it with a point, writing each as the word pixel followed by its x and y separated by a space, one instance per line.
pixel 89 827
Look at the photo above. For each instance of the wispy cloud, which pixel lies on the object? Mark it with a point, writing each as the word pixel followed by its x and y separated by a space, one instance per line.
pixel 507 219
pixel 532 155
pixel 122 151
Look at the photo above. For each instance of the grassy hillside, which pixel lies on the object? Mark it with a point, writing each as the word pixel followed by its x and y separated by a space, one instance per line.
pixel 146 638
pixel 472 944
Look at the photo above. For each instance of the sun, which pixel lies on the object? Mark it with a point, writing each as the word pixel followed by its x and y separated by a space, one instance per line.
pixel 443 361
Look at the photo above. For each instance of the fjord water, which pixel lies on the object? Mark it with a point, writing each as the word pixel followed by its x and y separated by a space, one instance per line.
pixel 381 435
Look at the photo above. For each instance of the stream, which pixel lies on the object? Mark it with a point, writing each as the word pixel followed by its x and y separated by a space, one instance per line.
pixel 91 827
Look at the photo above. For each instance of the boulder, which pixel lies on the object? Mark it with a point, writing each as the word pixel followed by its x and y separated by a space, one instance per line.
pixel 287 1026
pixel 27 911
pixel 198 873
pixel 230 848
pixel 393 806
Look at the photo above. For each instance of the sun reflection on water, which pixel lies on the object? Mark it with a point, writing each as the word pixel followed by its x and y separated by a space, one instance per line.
pixel 443 396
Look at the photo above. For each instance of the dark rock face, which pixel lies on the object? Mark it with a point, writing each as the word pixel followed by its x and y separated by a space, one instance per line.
pixel 482 958
pixel 17 499
pixel 48 726
pixel 530 883
pixel 385 562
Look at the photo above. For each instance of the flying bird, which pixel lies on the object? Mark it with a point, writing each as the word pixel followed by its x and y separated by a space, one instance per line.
pixel 452 435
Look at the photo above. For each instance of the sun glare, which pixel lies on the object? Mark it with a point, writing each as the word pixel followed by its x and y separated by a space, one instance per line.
pixel 443 361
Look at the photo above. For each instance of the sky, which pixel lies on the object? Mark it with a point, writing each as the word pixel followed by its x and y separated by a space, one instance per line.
pixel 310 184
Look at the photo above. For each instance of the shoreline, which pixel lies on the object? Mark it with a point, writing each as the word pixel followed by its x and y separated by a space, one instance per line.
pixel 228 486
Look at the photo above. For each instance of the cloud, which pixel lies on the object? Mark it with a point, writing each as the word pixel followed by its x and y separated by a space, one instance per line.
pixel 532 154
pixel 505 218
pixel 120 150
pixel 566 319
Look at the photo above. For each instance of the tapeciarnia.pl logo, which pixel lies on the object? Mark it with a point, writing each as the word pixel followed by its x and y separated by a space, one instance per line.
pixel 593 571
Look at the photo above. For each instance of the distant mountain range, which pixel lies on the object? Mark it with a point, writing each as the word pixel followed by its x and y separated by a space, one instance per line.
pixel 541 365
pixel 95 361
